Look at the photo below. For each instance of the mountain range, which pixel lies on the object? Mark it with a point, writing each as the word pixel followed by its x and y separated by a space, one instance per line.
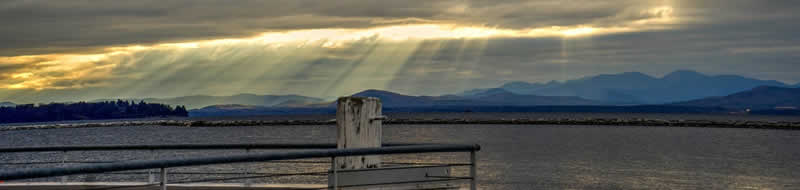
pixel 638 88
pixel 491 97
pixel 399 102
pixel 760 98
pixel 681 88
pixel 193 102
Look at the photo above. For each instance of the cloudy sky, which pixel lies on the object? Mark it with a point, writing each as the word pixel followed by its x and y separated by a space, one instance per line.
pixel 82 50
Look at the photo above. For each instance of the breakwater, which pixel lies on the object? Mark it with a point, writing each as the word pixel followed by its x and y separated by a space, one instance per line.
pixel 785 125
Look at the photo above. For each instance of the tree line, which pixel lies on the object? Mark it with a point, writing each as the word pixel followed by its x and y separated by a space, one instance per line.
pixel 88 110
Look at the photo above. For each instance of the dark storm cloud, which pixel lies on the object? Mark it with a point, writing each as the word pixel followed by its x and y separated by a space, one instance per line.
pixel 34 27
pixel 760 41
pixel 42 26
pixel 746 37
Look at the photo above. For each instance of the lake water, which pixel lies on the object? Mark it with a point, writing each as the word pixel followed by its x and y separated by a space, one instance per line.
pixel 513 156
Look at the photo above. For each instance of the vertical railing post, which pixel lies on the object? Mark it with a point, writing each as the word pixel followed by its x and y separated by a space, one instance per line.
pixel 247 171
pixel 163 178
pixel 64 164
pixel 151 177
pixel 335 174
pixel 473 171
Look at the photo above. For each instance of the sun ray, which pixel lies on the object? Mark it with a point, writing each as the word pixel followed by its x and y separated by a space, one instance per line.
pixel 342 79
pixel 411 69
pixel 396 58
pixel 151 66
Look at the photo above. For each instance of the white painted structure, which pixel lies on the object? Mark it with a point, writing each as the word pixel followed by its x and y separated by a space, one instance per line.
pixel 358 122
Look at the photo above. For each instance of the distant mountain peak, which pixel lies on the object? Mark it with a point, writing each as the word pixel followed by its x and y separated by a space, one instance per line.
pixel 486 97
pixel 492 91
pixel 686 71
pixel 231 107
pixel 513 84
pixel 639 88
pixel 373 92
pixel 497 90
pixel 516 83
pixel 621 76
pixel 638 74
pixel 758 98
pixel 553 82
pixel 521 84
pixel 517 87
pixel 684 74
pixel 376 90
pixel 246 94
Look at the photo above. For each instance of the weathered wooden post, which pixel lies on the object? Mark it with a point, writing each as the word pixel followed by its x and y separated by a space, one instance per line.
pixel 358 121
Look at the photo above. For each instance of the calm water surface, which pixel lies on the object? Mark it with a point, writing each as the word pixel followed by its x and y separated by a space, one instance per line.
pixel 513 156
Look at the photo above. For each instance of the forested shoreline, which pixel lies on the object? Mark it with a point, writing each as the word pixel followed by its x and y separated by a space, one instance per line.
pixel 87 110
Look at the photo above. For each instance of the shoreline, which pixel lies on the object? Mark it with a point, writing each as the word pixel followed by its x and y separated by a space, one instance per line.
pixel 783 125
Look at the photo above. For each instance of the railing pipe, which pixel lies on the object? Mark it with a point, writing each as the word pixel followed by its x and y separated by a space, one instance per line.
pixel 179 147
pixel 150 164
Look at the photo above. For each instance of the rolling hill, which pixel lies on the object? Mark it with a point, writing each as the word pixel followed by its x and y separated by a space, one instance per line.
pixel 760 98
pixel 500 96
pixel 391 100
pixel 492 100
pixel 638 88
pixel 492 97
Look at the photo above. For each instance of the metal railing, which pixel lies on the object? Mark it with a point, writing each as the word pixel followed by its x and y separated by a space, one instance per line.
pixel 164 164
pixel 179 147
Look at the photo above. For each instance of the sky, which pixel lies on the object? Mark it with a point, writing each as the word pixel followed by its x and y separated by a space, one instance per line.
pixel 83 50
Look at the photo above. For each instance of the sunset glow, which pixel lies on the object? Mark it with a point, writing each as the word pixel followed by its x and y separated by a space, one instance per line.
pixel 301 53
pixel 562 94
pixel 77 66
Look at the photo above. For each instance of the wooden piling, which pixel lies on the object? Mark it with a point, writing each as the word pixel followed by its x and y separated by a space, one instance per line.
pixel 358 121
